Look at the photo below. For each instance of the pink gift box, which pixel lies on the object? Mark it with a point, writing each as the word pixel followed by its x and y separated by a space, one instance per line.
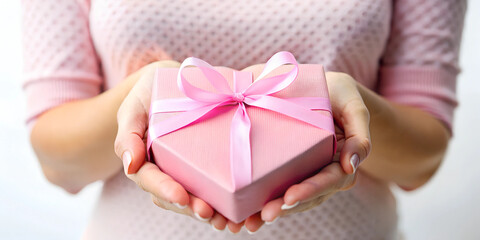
pixel 284 150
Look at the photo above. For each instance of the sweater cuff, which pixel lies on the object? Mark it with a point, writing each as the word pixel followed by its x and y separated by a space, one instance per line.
pixel 427 88
pixel 44 94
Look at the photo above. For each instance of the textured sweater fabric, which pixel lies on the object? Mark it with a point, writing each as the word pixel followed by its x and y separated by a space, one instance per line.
pixel 405 50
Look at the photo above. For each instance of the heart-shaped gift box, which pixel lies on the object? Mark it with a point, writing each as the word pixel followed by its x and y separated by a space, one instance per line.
pixel 201 153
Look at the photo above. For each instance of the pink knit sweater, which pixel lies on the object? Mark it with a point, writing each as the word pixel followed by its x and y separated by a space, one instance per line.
pixel 406 50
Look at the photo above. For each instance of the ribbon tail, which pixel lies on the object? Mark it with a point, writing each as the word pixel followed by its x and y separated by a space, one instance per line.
pixel 176 122
pixel 240 149
pixel 299 112
pixel 317 103
pixel 312 103
pixel 293 110
pixel 175 105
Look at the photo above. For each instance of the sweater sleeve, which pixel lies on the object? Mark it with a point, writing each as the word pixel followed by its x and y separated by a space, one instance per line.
pixel 420 63
pixel 60 63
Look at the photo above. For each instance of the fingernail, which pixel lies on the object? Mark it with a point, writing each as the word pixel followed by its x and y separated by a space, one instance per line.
pixel 271 222
pixel 216 229
pixel 354 161
pixel 201 218
pixel 127 160
pixel 286 207
pixel 180 206
pixel 250 232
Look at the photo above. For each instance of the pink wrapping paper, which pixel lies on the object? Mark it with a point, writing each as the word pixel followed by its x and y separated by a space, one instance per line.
pixel 284 150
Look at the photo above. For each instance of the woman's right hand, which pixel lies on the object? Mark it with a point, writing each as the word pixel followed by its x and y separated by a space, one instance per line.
pixel 130 147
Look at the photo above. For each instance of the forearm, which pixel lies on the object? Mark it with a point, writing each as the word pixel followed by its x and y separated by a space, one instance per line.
pixel 408 144
pixel 74 141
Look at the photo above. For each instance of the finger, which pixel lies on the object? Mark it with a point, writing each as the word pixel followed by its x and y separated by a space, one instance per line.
pixel 356 121
pixel 201 210
pixel 351 113
pixel 172 207
pixel 131 149
pixel 154 181
pixel 253 223
pixel 308 194
pixel 272 210
pixel 132 118
pixel 132 123
pixel 195 206
pixel 218 221
pixel 165 64
pixel 234 227
pixel 256 69
pixel 330 179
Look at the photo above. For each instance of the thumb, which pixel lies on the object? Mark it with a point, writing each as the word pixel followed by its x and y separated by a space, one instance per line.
pixel 132 118
pixel 355 120
pixel 350 111
pixel 129 143
pixel 131 149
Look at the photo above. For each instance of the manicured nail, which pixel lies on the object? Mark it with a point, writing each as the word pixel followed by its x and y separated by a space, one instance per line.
pixel 201 218
pixel 216 229
pixel 354 161
pixel 250 232
pixel 180 206
pixel 271 222
pixel 127 160
pixel 286 207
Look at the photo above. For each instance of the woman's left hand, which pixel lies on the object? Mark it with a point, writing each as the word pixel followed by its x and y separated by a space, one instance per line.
pixel 353 141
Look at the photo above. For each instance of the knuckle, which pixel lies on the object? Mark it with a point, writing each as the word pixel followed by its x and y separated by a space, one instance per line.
pixel 363 111
pixel 365 145
pixel 357 107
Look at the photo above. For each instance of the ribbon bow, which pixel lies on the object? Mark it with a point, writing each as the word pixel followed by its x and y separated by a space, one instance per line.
pixel 200 102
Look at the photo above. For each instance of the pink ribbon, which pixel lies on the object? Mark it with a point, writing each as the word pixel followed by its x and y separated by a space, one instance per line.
pixel 200 102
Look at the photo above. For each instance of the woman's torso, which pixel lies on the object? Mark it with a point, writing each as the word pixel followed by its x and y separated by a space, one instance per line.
pixel 346 36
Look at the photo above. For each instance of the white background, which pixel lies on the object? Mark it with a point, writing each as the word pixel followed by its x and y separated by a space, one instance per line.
pixel 448 207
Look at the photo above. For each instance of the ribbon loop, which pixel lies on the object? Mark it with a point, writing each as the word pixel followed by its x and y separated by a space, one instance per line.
pixel 215 78
pixel 276 83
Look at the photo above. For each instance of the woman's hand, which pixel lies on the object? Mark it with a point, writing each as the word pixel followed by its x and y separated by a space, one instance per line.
pixel 353 136
pixel 130 147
